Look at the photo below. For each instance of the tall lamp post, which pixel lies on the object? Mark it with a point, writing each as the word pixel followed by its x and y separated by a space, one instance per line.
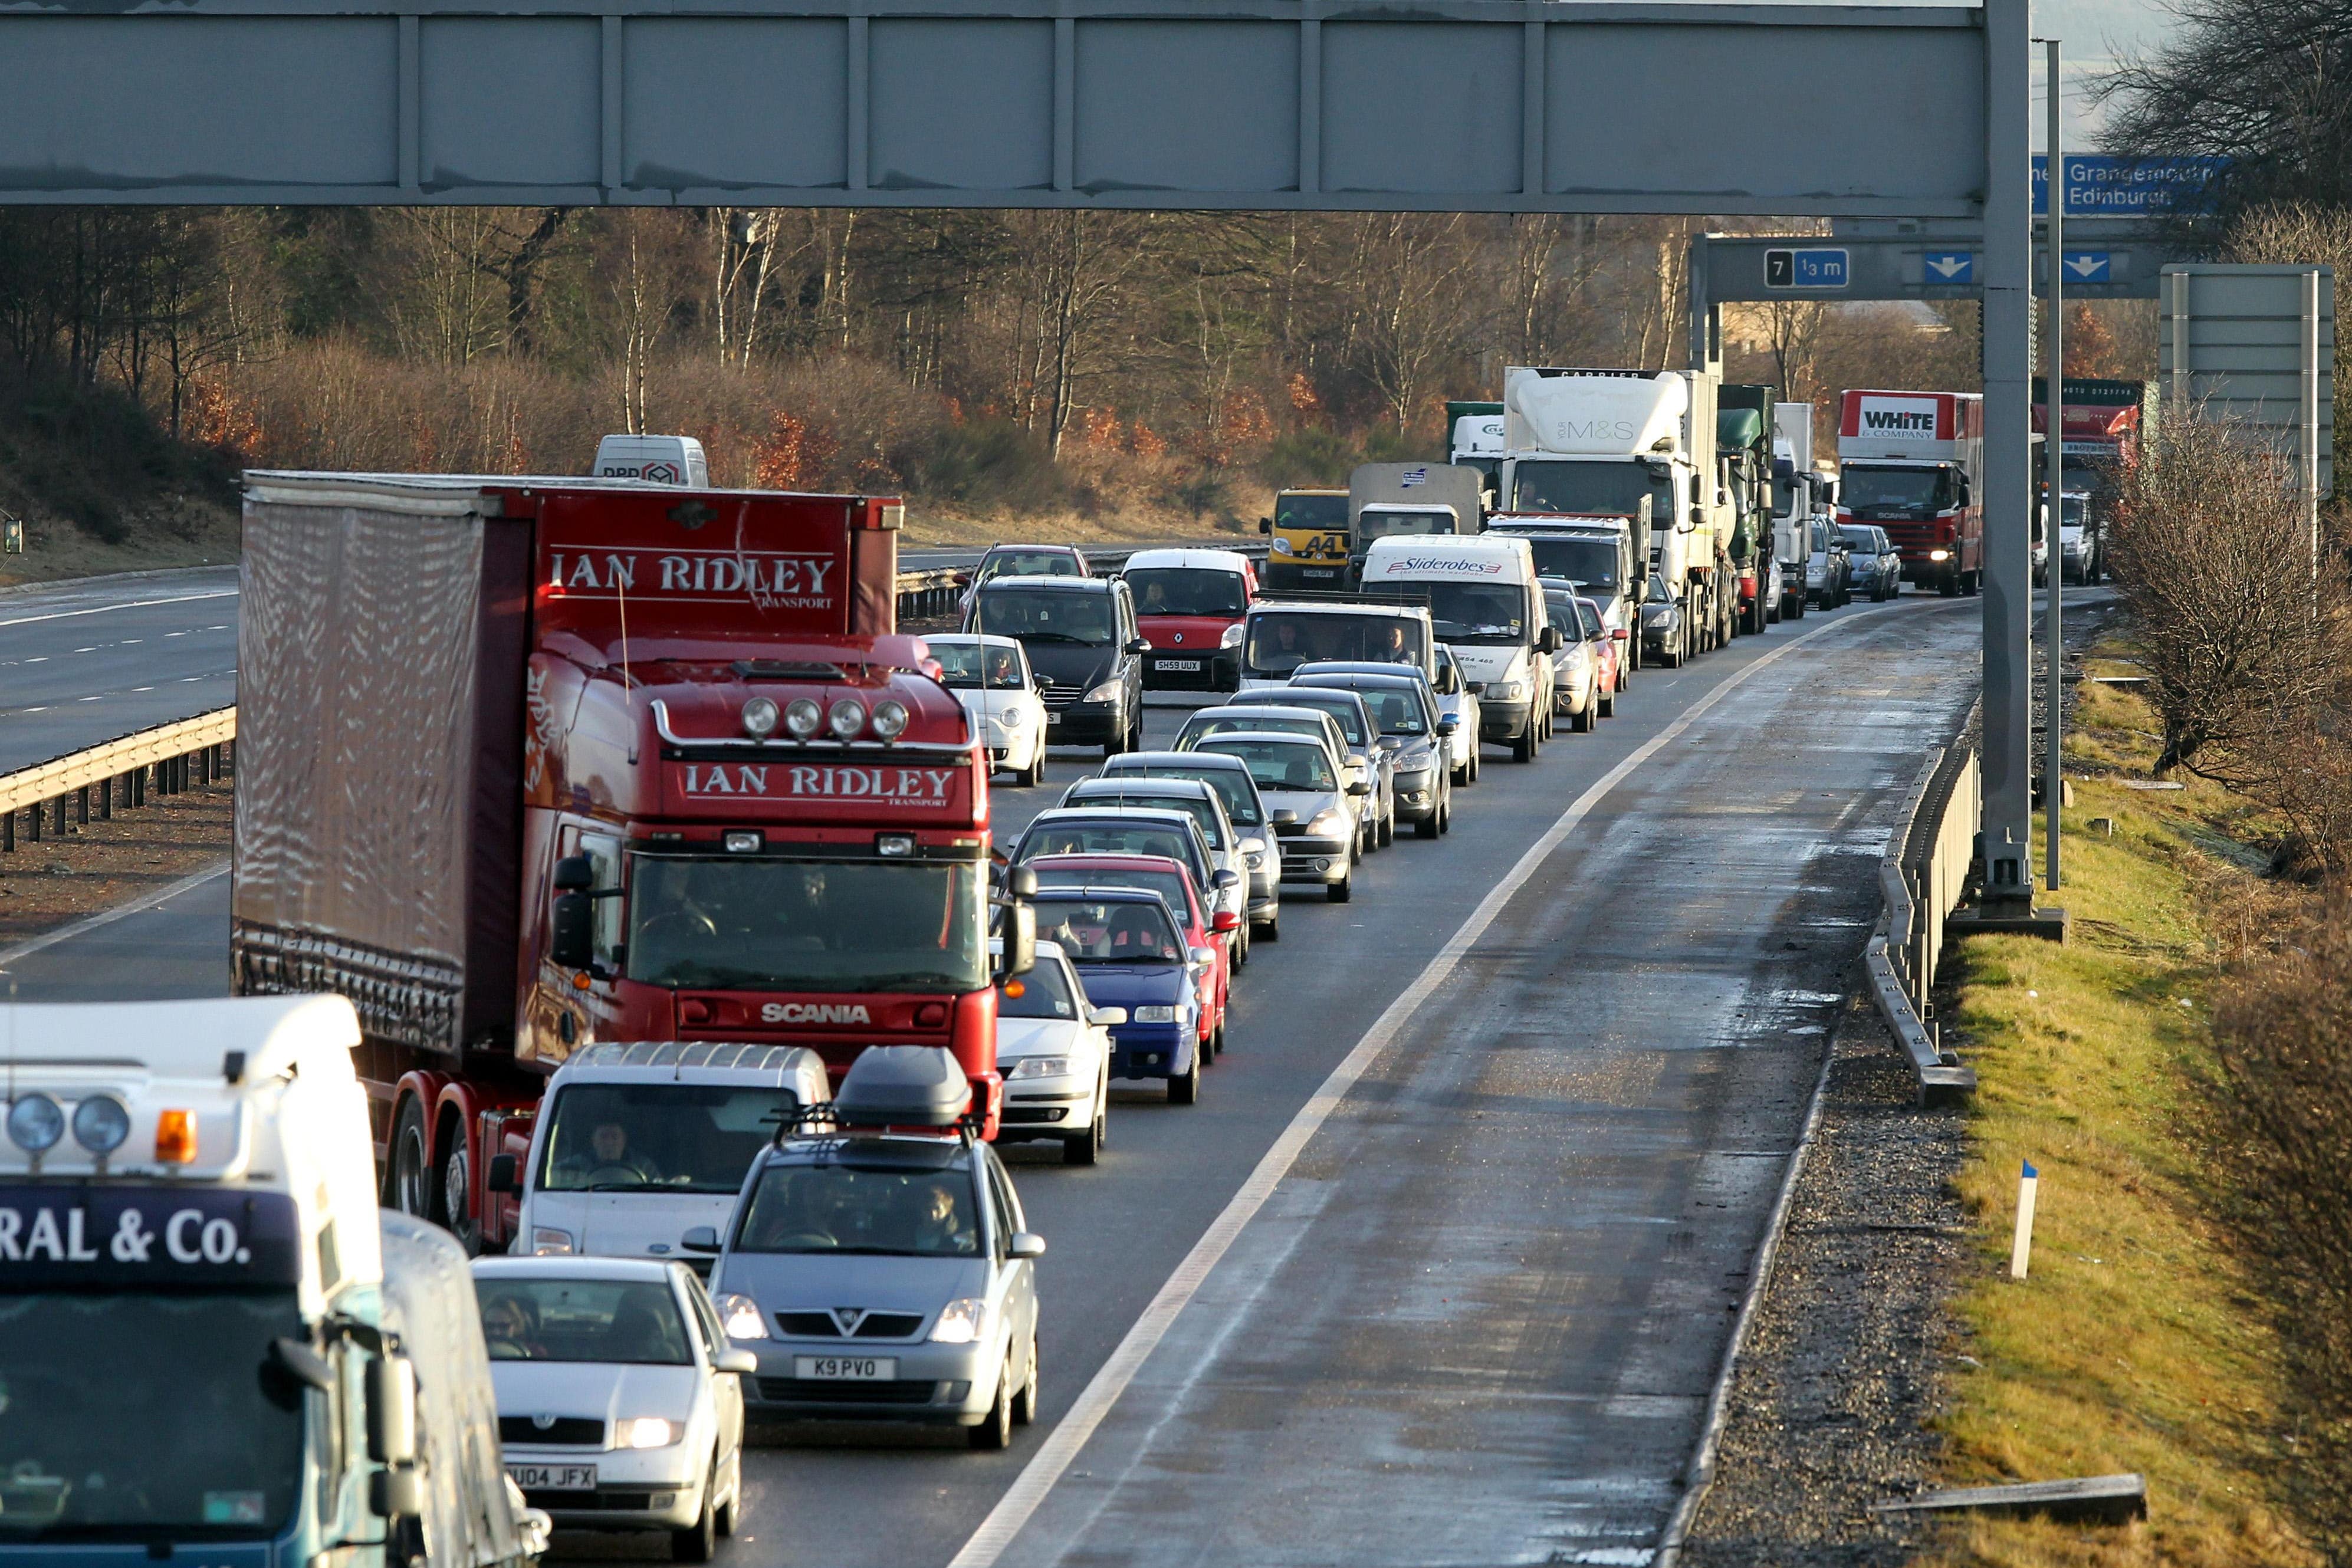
pixel 2054 457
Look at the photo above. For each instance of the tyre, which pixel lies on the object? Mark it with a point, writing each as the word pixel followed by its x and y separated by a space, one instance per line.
pixel 1036 774
pixel 1971 581
pixel 1608 706
pixel 1085 1148
pixel 456 1197
pixel 1387 829
pixel 698 1542
pixel 1948 585
pixel 1242 943
pixel 1339 891
pixel 1273 932
pixel 1024 1398
pixel 408 1177
pixel 1186 1090
pixel 1217 1043
pixel 1523 750
pixel 995 1432
pixel 723 1521
pixel 1427 828
pixel 1581 722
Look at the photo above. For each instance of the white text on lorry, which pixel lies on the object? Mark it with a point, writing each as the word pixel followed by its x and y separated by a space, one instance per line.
pixel 691 574
pixel 924 788
pixel 815 1012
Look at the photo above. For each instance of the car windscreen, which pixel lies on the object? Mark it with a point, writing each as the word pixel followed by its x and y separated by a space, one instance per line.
pixel 1109 931
pixel 1186 591
pixel 857 1210
pixel 1275 766
pixel 1394 709
pixel 1895 492
pixel 1204 812
pixel 1342 710
pixel 974 667
pixel 1239 799
pixel 1103 838
pixel 1027 563
pixel 1478 614
pixel 1201 727
pixel 657 1137
pixel 1861 542
pixel 1592 562
pixel 1045 615
pixel 1043 993
pixel 747 923
pixel 535 1318
pixel 1605 489
pixel 1168 884
pixel 137 1416
pixel 1280 640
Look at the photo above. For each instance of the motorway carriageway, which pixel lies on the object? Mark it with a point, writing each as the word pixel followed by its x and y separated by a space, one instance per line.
pixel 1441 1269
pixel 85 662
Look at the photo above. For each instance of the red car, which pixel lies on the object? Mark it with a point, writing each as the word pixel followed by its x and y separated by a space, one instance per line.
pixel 1167 878
pixel 1189 605
pixel 1608 656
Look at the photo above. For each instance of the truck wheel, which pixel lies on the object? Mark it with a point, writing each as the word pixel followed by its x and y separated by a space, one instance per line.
pixel 458 1195
pixel 408 1179
pixel 1971 581
pixel 1523 750
pixel 698 1542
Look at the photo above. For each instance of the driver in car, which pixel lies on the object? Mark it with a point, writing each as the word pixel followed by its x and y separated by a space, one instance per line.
pixel 608 1154
pixel 1393 650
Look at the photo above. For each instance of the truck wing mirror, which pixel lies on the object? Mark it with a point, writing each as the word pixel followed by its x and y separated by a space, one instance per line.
pixel 1697 516
pixel 1021 881
pixel 1265 525
pixel 504 1175
pixel 396 1494
pixel 392 1411
pixel 1548 640
pixel 574 874
pixel 1020 940
pixel 571 945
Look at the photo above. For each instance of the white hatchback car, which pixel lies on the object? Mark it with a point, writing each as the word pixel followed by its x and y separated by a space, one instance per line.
pixel 989 676
pixel 619 1402
pixel 1053 1048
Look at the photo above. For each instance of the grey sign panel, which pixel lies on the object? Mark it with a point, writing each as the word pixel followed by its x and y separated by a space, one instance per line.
pixel 1949 266
pixel 1450 105
pixel 2253 354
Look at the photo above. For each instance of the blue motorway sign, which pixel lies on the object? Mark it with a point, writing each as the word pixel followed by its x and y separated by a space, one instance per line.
pixel 2089 266
pixel 1811 268
pixel 2100 185
pixel 1949 268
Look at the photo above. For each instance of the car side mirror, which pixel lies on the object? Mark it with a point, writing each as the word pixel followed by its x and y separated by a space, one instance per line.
pixel 701 1239
pixel 1107 1018
pixel 1448 725
pixel 572 944
pixel 1265 525
pixel 742 1363
pixel 1359 787
pixel 1202 956
pixel 1138 645
pixel 1224 879
pixel 1226 920
pixel 1027 1244
pixel 504 1175
pixel 1282 819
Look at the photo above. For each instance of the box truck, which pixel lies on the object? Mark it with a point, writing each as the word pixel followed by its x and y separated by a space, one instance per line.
pixel 1912 463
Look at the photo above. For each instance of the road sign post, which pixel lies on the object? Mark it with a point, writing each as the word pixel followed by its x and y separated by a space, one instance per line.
pixel 2008 425
pixel 2054 522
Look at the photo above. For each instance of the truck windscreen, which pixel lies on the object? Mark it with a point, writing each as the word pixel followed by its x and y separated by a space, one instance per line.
pixel 735 923
pixel 671 1137
pixel 1592 562
pixel 1281 641
pixel 1607 489
pixel 138 1417
pixel 1895 492
pixel 1311 511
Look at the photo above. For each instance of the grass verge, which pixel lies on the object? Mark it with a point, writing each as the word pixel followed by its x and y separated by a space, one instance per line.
pixel 2135 1344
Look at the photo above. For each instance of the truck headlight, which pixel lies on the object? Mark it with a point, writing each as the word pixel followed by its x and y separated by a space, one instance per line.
pixel 1230 637
pixel 1039 1067
pixel 546 1242
pixel 740 1316
pixel 1154 1014
pixel 645 1432
pixel 1280 547
pixel 1939 555
pixel 961 1320
pixel 1508 691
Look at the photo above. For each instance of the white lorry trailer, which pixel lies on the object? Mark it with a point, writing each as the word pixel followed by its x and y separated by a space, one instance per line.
pixel 212 1349
pixel 1593 443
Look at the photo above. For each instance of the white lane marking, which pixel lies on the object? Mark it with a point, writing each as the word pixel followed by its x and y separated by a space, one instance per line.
pixel 126 604
pixel 142 688
pixel 109 916
pixel 1062 1444
pixel 43 708
pixel 94 699
pixel 85 650
pixel 38 659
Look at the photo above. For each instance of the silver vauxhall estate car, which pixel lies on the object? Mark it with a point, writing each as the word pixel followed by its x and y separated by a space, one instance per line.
pixel 879 1269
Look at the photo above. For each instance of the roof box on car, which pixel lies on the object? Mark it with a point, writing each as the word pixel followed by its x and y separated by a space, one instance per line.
pixel 902 1086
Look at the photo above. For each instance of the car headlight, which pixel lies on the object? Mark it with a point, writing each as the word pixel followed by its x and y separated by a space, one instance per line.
pixel 1039 1067
pixel 740 1316
pixel 1108 692
pixel 1230 637
pixel 1328 822
pixel 1280 547
pixel 550 1243
pixel 1255 860
pixel 961 1320
pixel 1152 1014
pixel 645 1432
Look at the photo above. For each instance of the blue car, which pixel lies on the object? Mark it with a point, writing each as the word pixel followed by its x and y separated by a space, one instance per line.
pixel 1130 954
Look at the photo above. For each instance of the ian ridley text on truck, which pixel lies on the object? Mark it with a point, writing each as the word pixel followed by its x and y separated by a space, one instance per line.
pixel 528 765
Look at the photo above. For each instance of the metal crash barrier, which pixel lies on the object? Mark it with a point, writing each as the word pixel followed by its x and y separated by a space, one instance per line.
pixel 54 797
pixel 1922 878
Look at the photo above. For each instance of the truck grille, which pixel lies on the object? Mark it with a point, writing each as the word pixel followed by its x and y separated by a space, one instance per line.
pixel 798 1391
pixel 566 1432
pixel 875 1325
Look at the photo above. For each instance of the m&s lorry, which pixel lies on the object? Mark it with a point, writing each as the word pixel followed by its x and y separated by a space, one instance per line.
pixel 212 1349
pixel 530 765
pixel 1912 463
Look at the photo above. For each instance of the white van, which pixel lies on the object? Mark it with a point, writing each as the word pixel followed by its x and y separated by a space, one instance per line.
pixel 1485 603
pixel 638 1144
pixel 655 459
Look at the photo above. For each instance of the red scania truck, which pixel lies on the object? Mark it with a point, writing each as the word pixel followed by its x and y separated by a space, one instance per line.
pixel 1912 463
pixel 526 765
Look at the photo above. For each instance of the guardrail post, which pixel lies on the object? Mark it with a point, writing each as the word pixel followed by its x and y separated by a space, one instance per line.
pixel 138 791
pixel 7 833
pixel 61 826
pixel 33 823
pixel 81 807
